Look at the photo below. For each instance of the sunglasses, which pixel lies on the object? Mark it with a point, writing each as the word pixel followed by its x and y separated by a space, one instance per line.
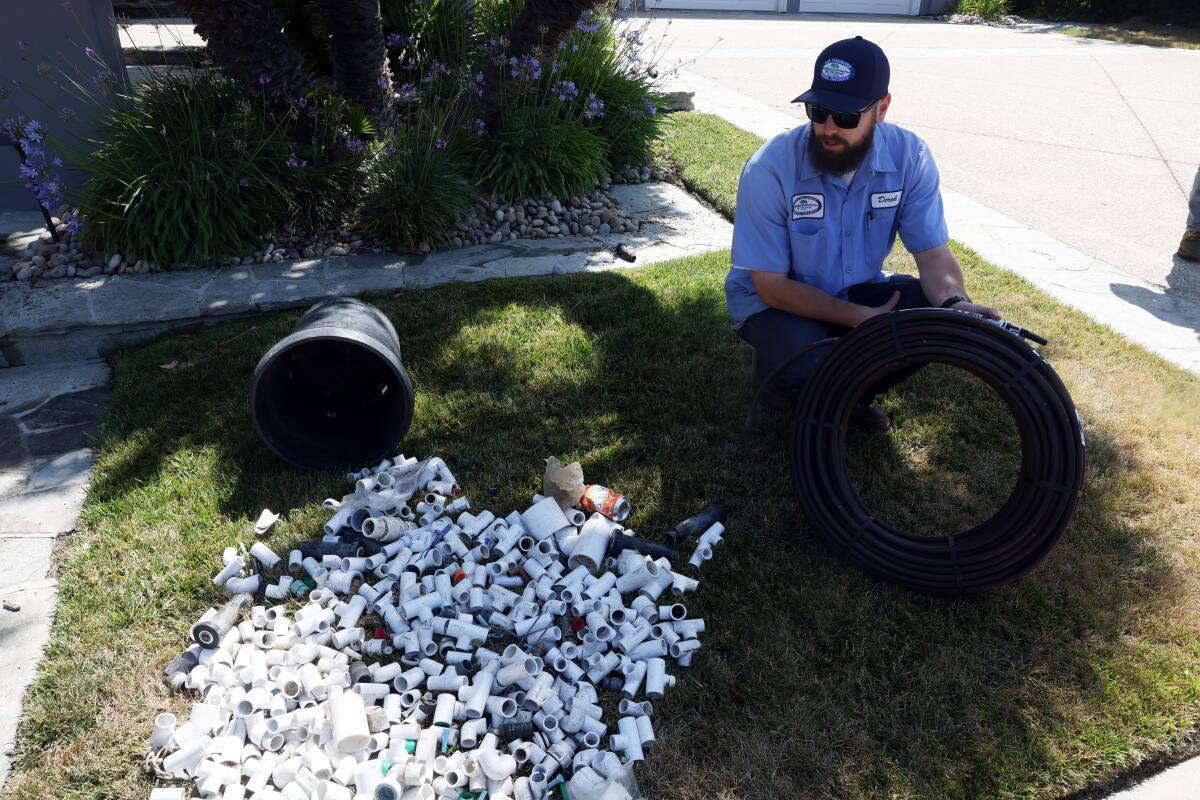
pixel 844 120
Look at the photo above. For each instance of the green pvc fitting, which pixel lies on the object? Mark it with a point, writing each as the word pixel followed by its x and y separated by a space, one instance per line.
pixel 410 745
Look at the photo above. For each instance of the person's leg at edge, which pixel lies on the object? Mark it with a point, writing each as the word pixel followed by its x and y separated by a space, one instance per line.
pixel 1189 247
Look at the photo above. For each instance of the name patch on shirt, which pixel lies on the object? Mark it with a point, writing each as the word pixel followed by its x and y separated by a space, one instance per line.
pixel 886 199
pixel 808 206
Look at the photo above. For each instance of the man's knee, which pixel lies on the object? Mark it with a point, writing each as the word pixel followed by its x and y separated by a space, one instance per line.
pixel 776 337
pixel 911 293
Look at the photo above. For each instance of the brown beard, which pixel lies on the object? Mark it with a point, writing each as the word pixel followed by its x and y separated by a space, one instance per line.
pixel 837 163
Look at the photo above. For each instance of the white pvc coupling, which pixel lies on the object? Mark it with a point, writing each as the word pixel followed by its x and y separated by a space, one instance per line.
pixel 264 554
pixel 348 719
pixel 589 549
pixel 544 518
pixel 164 730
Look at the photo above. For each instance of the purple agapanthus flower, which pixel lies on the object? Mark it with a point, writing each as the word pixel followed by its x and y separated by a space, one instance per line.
pixel 408 90
pixel 528 68
pixel 264 79
pixel 244 182
pixel 393 40
pixel 89 52
pixel 301 102
pixel 595 107
pixel 298 163
pixel 355 145
pixel 565 91
pixel 649 105
pixel 472 83
pixel 382 80
pixel 239 145
pixel 22 44
pixel 588 22
pixel 440 144
pixel 34 170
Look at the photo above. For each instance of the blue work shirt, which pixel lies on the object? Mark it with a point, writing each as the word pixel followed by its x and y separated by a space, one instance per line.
pixel 793 219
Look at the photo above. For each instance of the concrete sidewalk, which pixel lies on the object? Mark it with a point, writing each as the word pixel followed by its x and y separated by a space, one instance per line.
pixel 1165 322
pixel 1091 142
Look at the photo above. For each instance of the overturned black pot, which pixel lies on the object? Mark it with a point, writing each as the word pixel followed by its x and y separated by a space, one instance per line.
pixel 333 394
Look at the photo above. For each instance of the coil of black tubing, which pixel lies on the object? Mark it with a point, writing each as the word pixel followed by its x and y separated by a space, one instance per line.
pixel 1000 549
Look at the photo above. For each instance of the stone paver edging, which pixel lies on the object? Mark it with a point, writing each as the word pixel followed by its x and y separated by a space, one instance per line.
pixel 68 320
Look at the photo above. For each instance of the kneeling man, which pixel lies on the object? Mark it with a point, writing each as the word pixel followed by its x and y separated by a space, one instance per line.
pixel 818 210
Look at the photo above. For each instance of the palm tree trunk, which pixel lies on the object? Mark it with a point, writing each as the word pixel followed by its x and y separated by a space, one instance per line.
pixel 538 22
pixel 358 54
pixel 246 40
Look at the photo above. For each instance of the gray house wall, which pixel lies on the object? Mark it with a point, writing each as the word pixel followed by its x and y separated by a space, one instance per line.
pixel 56 36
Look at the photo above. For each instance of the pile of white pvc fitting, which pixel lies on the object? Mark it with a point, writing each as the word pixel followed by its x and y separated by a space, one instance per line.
pixel 496 639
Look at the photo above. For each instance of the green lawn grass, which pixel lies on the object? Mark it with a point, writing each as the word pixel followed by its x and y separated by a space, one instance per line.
pixel 1180 37
pixel 813 681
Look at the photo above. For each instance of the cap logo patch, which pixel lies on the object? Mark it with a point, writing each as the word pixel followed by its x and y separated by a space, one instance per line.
pixel 837 70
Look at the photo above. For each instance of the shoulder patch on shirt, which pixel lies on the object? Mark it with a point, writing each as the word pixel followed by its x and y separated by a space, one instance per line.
pixel 886 199
pixel 808 206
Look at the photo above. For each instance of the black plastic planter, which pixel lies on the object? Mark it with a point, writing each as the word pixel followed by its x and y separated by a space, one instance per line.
pixel 333 394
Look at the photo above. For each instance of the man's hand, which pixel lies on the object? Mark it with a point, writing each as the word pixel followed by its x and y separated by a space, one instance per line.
pixel 976 308
pixel 942 278
pixel 867 312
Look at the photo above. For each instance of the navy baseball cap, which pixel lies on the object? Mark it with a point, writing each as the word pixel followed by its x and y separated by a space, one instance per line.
pixel 849 76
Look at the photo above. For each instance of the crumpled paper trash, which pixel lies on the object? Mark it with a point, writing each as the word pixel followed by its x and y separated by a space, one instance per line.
pixel 563 483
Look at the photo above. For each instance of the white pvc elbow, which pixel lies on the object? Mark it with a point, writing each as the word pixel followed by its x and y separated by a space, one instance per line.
pixel 496 765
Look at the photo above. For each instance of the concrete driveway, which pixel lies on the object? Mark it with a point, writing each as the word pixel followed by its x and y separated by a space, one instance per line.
pixel 1091 142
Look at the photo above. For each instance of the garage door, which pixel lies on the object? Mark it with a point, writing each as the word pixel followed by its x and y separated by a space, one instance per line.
pixel 719 5
pixel 905 7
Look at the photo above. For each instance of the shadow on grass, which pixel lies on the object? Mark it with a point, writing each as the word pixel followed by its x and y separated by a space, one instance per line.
pixel 813 680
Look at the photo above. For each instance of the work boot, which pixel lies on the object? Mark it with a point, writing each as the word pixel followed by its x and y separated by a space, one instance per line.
pixel 1189 246
pixel 870 417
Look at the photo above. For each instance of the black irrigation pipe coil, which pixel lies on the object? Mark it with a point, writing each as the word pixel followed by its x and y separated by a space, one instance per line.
pixel 1012 541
